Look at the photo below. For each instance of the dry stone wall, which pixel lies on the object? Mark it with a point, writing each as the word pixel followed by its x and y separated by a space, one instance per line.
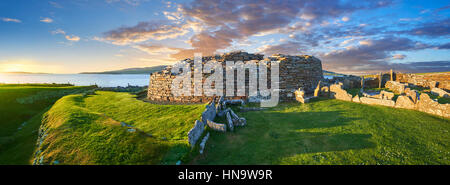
pixel 295 72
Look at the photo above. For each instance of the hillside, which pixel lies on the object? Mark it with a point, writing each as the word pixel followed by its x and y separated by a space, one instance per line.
pixel 330 73
pixel 145 70
pixel 91 130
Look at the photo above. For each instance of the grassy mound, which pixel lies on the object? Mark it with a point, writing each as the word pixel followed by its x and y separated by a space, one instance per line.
pixel 21 109
pixel 332 132
pixel 87 130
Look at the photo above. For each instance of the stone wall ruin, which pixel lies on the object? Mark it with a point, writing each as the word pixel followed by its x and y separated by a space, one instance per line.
pixel 301 71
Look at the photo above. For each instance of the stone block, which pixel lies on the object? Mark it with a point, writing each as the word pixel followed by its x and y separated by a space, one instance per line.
pixel 396 87
pixel 440 92
pixel 216 126
pixel 404 102
pixel 374 101
pixel 195 132
pixel 337 92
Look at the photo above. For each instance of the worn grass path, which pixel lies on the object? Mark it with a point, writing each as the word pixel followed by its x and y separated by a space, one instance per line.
pixel 332 132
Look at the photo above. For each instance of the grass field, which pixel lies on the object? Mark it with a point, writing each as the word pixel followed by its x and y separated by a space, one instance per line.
pixel 87 130
pixel 332 132
pixel 21 108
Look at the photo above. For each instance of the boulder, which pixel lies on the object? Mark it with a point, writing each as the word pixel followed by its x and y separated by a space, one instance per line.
pixel 337 92
pixel 413 94
pixel 396 87
pixel 386 95
pixel 404 102
pixel 440 92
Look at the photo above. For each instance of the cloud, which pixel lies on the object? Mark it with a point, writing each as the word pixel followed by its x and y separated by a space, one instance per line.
pixel 144 31
pixel 72 38
pixel 129 2
pixel 399 56
pixel 5 19
pixel 444 46
pixel 58 31
pixel 372 57
pixel 228 21
pixel 156 49
pixel 46 20
pixel 345 19
pixel 55 4
pixel 217 24
pixel 431 29
pixel 290 47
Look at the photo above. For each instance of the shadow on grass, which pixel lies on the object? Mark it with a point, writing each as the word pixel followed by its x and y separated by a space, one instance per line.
pixel 272 136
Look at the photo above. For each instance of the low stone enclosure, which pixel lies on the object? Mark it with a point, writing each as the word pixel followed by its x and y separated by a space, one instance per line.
pixel 295 72
pixel 408 99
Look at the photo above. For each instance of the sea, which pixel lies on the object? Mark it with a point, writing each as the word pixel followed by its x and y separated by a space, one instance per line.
pixel 102 80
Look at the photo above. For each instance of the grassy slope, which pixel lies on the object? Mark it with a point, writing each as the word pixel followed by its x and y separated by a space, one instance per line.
pixel 17 145
pixel 86 130
pixel 332 132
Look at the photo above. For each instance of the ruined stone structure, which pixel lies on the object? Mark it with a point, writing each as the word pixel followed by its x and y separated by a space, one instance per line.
pixel 431 80
pixel 295 72
pixel 409 99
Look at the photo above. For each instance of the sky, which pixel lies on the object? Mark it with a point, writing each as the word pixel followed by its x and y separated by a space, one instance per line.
pixel 352 37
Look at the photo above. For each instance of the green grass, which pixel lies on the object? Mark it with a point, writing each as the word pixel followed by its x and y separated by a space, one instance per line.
pixel 21 109
pixel 87 130
pixel 332 132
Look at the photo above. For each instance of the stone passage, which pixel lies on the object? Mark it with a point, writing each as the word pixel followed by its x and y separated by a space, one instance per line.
pixel 211 111
pixel 296 72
